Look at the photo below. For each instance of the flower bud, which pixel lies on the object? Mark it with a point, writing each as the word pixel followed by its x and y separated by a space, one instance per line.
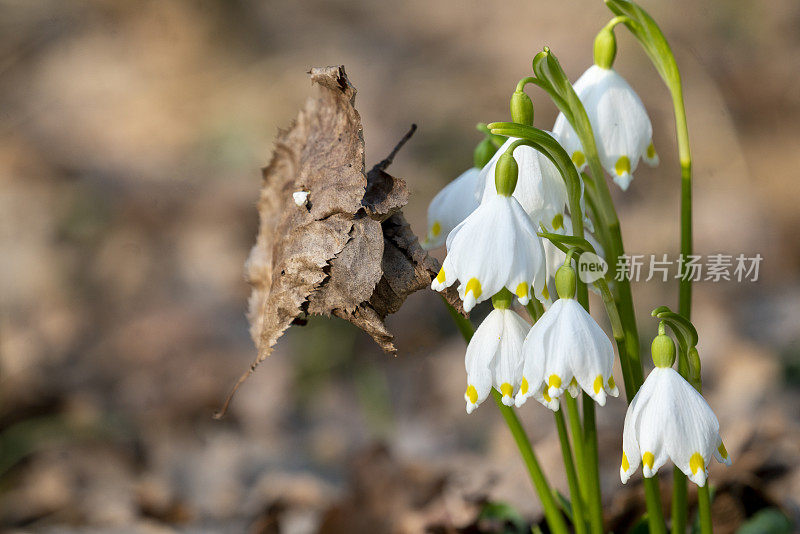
pixel 521 108
pixel 663 348
pixel 605 48
pixel 505 174
pixel 566 281
pixel 483 153
pixel 502 300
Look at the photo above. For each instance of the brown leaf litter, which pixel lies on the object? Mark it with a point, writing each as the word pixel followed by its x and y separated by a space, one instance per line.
pixel 345 249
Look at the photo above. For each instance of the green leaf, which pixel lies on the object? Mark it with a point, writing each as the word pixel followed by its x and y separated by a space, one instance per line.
pixel 568 241
pixel 564 503
pixel 503 513
pixel 767 521
pixel 645 29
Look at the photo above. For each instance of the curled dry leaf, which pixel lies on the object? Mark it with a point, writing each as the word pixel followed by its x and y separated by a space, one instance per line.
pixel 343 248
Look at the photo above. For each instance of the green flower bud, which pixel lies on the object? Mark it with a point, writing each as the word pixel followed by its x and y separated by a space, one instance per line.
pixel 566 281
pixel 663 348
pixel 502 299
pixel 605 48
pixel 505 174
pixel 483 153
pixel 521 108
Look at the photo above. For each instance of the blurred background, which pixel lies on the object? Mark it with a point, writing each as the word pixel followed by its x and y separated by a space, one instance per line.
pixel 131 140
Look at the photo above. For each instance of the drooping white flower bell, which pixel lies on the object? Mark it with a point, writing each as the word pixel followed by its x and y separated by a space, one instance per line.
pixel 494 357
pixel 669 419
pixel 621 127
pixel 540 189
pixel 452 205
pixel 495 247
pixel 457 199
pixel 566 350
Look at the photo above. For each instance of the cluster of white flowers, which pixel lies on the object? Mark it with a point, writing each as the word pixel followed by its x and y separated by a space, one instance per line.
pixel 488 219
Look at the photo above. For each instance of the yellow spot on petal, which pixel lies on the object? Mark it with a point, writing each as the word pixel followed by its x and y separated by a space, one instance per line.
pixel 598 384
pixel 472 394
pixel 578 158
pixel 440 276
pixel 474 286
pixel 506 389
pixel 648 459
pixel 522 290
pixel 573 383
pixel 723 451
pixel 558 221
pixel 623 165
pixel 696 462
pixel 546 293
pixel 651 151
pixel 554 381
pixel 436 229
pixel 523 388
pixel 611 383
pixel 546 396
pixel 625 464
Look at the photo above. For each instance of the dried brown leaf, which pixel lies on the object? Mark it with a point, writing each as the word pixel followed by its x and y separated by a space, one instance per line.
pixel 347 251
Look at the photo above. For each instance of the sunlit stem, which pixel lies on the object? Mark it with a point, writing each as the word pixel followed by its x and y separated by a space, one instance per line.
pixel 704 510
pixel 577 440
pixel 578 517
pixel 555 520
pixel 655 515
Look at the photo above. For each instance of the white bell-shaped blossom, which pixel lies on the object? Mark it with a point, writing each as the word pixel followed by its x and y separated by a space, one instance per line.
pixel 495 247
pixel 621 127
pixel 566 350
pixel 669 419
pixel 494 358
pixel 540 188
pixel 452 205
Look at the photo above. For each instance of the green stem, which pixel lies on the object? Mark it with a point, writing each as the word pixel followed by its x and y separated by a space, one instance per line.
pixel 679 500
pixel 704 510
pixel 577 440
pixel 552 513
pixel 678 497
pixel 578 518
pixel 618 332
pixel 591 471
pixel 655 515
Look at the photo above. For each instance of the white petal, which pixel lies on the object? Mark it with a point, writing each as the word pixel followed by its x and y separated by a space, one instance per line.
pixel 507 366
pixel 481 353
pixel 691 432
pixel 450 206
pixel 495 246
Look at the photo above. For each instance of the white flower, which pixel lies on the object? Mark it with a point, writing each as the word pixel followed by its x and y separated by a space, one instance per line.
pixel 566 350
pixel 494 357
pixel 669 419
pixel 452 205
pixel 621 127
pixel 540 188
pixel 495 247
